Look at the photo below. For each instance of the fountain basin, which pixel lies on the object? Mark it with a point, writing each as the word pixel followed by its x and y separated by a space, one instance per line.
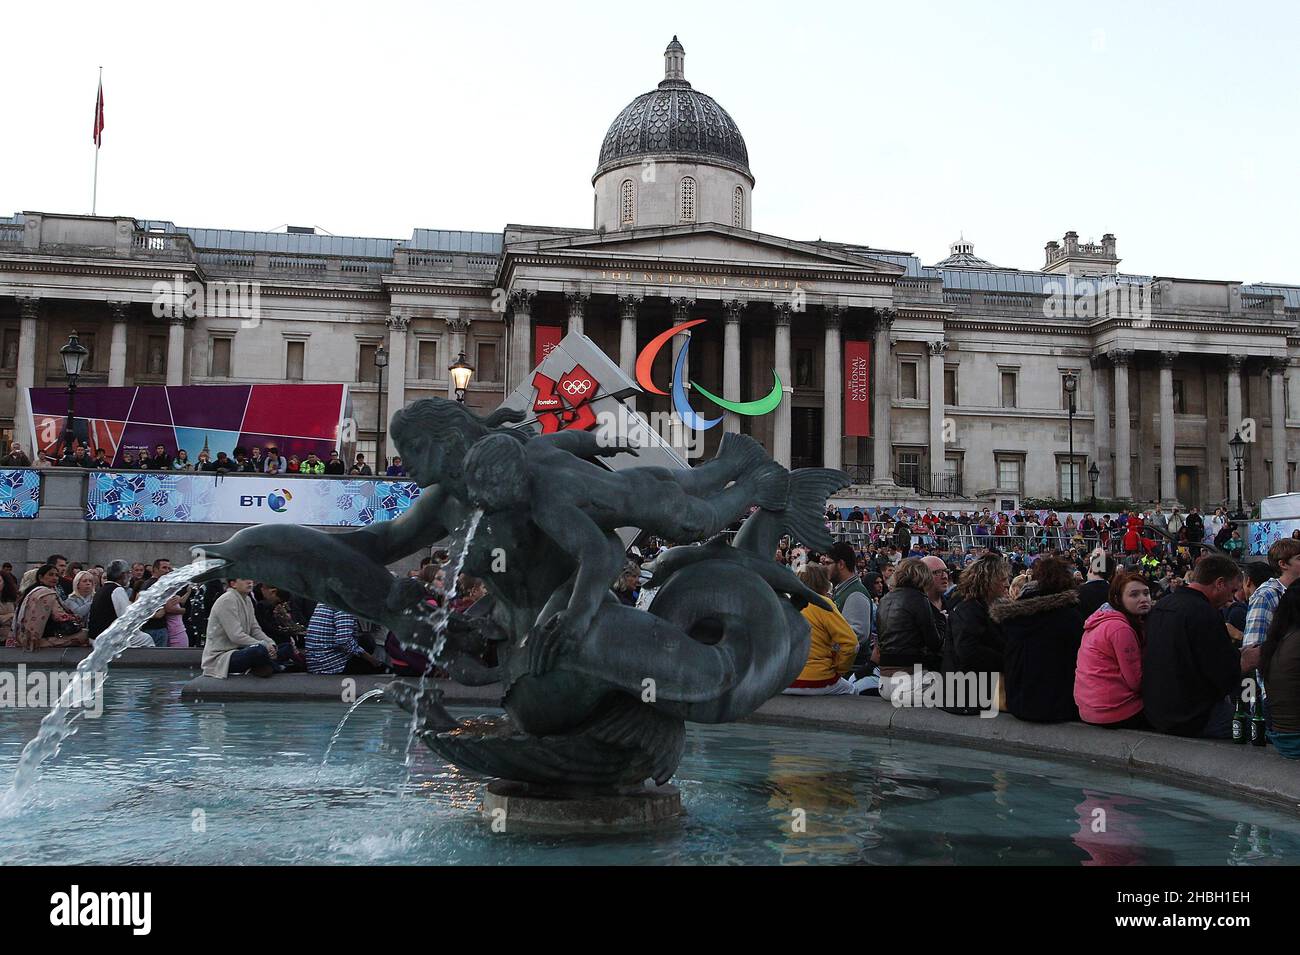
pixel 156 781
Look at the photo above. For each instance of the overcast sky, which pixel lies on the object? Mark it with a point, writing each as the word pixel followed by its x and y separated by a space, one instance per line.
pixel 899 124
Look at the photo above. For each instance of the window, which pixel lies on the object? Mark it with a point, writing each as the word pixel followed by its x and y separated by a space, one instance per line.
pixel 10 349
pixel 1065 392
pixel 951 474
pixel 294 359
pixel 950 386
pixel 1180 401
pixel 627 203
pixel 1063 472
pixel 738 208
pixel 909 468
pixel 426 362
pixel 1009 474
pixel 366 370
pixel 803 368
pixel 486 369
pixel 688 200
pixel 1008 389
pixel 907 379
pixel 89 342
pixel 220 358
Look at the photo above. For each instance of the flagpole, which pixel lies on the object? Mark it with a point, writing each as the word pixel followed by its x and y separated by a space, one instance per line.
pixel 94 193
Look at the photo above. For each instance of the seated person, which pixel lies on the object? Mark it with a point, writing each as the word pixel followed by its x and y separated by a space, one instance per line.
pixel 235 643
pixel 1042 629
pixel 1108 674
pixel 1279 664
pixel 335 644
pixel 1190 669
pixel 832 648
pixel 41 622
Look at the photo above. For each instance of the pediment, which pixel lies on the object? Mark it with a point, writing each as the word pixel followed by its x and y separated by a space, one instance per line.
pixel 705 243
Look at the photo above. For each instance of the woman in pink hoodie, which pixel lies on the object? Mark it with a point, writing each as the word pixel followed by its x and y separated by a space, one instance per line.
pixel 1108 672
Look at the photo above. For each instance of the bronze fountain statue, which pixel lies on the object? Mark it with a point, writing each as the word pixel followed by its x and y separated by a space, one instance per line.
pixel 595 693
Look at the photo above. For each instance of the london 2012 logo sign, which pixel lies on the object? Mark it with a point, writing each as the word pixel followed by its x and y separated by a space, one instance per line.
pixel 681 404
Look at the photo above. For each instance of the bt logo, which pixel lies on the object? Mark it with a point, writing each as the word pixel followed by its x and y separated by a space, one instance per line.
pixel 645 361
pixel 277 501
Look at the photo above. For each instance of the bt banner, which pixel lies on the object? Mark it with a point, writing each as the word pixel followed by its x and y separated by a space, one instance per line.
pixel 210 499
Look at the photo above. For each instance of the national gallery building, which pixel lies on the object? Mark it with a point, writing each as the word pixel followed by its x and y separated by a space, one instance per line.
pixel 953 378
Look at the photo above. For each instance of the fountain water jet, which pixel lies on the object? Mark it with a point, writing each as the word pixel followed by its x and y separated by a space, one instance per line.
pixel 92 671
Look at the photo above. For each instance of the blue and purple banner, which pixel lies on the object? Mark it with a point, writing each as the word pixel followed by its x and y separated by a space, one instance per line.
pixel 180 497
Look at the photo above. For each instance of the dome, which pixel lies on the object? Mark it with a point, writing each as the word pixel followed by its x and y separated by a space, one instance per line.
pixel 962 256
pixel 674 120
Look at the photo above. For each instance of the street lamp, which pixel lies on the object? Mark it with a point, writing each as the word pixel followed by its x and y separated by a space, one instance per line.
pixel 74 357
pixel 1094 472
pixel 381 362
pixel 1071 385
pixel 1238 448
pixel 461 373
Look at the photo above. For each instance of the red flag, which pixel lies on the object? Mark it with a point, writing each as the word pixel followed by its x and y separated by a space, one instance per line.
pixel 99 116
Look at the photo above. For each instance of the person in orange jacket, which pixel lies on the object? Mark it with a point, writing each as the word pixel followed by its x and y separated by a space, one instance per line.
pixel 833 647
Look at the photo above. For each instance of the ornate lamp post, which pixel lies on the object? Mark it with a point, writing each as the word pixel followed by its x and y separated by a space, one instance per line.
pixel 381 362
pixel 74 356
pixel 1094 473
pixel 1238 448
pixel 1071 386
pixel 461 373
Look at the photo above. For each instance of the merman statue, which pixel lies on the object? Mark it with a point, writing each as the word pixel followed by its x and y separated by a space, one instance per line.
pixel 595 693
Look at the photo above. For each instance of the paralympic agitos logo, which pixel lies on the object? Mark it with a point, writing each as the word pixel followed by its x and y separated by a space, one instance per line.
pixel 681 405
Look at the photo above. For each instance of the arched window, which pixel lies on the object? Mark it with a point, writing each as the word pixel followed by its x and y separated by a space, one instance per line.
pixel 738 208
pixel 688 199
pixel 627 203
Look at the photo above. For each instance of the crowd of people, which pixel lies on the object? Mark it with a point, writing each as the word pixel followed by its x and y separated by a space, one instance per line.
pixel 1033 530
pixel 1156 637
pixel 257 460
pixel 242 626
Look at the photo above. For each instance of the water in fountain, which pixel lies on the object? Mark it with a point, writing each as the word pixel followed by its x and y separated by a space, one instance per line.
pixel 351 709
pixel 91 672
pixel 440 618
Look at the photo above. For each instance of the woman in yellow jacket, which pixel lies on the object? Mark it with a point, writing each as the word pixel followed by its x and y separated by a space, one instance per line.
pixel 833 648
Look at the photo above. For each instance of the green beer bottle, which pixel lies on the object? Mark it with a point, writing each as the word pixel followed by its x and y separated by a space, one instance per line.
pixel 1258 736
pixel 1241 720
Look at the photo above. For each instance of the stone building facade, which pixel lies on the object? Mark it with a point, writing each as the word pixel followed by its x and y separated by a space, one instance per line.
pixel 969 359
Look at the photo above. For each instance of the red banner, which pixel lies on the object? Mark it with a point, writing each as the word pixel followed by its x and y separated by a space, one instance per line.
pixel 857 389
pixel 545 338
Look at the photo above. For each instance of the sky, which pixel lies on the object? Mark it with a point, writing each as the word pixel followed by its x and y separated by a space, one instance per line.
pixel 900 125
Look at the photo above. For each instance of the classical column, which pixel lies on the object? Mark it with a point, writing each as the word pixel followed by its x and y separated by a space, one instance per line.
pixel 577 309
pixel 937 351
pixel 681 312
pixel 176 325
pixel 732 310
pixel 1123 452
pixel 781 312
pixel 880 428
pixel 1101 426
pixel 1168 474
pixel 458 328
pixel 117 349
pixel 521 330
pixel 1277 393
pixel 629 307
pixel 832 390
pixel 1234 394
pixel 398 323
pixel 25 378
